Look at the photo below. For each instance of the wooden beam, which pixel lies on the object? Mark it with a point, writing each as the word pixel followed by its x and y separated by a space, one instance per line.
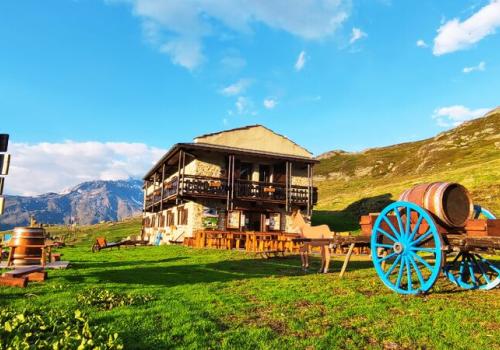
pixel 347 258
pixel 145 191
pixel 286 188
pixel 232 184
pixel 178 177
pixel 309 189
pixel 21 282
pixel 162 186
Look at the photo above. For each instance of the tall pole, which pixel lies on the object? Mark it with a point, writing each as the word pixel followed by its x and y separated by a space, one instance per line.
pixel 178 177
pixel 162 186
pixel 286 187
pixel 232 185
pixel 229 177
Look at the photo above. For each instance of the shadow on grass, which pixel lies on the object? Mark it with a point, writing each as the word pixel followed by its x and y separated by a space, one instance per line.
pixel 110 264
pixel 138 272
pixel 347 219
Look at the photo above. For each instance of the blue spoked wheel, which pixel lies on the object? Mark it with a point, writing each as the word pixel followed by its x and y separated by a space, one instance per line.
pixel 470 270
pixel 411 246
pixel 479 212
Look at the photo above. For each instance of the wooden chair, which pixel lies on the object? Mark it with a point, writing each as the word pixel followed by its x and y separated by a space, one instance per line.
pixel 101 243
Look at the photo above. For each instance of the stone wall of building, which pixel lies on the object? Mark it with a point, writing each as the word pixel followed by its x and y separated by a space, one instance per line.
pixel 299 177
pixel 213 166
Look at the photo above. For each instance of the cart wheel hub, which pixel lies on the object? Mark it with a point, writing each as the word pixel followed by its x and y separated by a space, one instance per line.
pixel 398 247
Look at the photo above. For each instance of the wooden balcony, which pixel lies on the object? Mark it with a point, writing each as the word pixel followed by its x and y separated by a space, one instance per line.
pixel 214 187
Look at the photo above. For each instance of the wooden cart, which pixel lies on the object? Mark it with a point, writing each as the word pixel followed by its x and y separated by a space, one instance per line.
pixel 410 249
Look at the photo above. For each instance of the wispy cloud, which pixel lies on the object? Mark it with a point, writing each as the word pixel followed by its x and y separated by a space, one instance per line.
pixel 269 103
pixel 357 34
pixel 178 27
pixel 57 166
pixel 237 88
pixel 480 67
pixel 455 115
pixel 421 43
pixel 301 61
pixel 455 35
pixel 244 106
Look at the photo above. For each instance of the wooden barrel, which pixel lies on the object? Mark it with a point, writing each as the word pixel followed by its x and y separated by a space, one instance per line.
pixel 23 237
pixel 449 202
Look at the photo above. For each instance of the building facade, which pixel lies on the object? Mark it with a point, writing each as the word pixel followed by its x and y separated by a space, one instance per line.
pixel 245 179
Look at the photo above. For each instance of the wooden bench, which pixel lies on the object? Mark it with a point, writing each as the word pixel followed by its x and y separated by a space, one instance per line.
pixel 21 276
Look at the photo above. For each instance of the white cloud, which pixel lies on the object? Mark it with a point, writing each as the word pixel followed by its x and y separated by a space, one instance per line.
pixel 455 115
pixel 270 103
pixel 184 52
pixel 178 27
pixel 480 68
pixel 455 35
pixel 242 104
pixel 357 34
pixel 301 61
pixel 421 43
pixel 52 167
pixel 237 88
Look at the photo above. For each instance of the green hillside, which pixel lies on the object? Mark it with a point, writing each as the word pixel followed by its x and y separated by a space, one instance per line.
pixel 352 184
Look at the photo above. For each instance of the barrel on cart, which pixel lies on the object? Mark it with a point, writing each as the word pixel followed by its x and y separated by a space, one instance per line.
pixel 432 229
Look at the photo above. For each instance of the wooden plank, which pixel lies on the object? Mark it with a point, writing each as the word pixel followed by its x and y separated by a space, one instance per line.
pixel 22 271
pixel 346 261
pixel 52 265
pixel 37 276
pixel 21 282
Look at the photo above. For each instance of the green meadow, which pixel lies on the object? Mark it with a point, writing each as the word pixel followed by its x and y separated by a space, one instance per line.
pixel 213 299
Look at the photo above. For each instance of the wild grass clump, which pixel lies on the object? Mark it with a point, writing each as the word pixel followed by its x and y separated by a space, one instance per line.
pixel 53 329
pixel 104 299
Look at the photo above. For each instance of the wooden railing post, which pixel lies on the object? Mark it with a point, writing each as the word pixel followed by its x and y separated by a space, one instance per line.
pixel 162 186
pixel 178 178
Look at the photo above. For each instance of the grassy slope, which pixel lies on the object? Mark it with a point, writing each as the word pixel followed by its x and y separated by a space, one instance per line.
pixel 351 184
pixel 231 300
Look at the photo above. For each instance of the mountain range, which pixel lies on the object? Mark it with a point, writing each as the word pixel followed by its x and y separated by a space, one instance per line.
pixel 87 203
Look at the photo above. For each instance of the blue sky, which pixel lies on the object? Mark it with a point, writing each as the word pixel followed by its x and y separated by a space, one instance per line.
pixel 329 74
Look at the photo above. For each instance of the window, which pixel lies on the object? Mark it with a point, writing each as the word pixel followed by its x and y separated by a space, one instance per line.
pixel 162 220
pixel 182 216
pixel 170 218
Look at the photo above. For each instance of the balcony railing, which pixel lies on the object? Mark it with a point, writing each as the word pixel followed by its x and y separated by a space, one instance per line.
pixel 266 191
pixel 215 187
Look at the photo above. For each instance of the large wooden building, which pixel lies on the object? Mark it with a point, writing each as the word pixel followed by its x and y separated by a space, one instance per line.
pixel 244 179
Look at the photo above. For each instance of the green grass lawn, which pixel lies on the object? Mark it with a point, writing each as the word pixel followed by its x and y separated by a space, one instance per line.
pixel 232 300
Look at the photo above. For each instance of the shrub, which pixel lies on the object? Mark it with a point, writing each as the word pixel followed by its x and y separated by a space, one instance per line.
pixel 106 300
pixel 53 329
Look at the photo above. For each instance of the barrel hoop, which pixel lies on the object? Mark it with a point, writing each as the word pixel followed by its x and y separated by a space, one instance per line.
pixel 426 201
pixel 404 196
pixel 438 201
